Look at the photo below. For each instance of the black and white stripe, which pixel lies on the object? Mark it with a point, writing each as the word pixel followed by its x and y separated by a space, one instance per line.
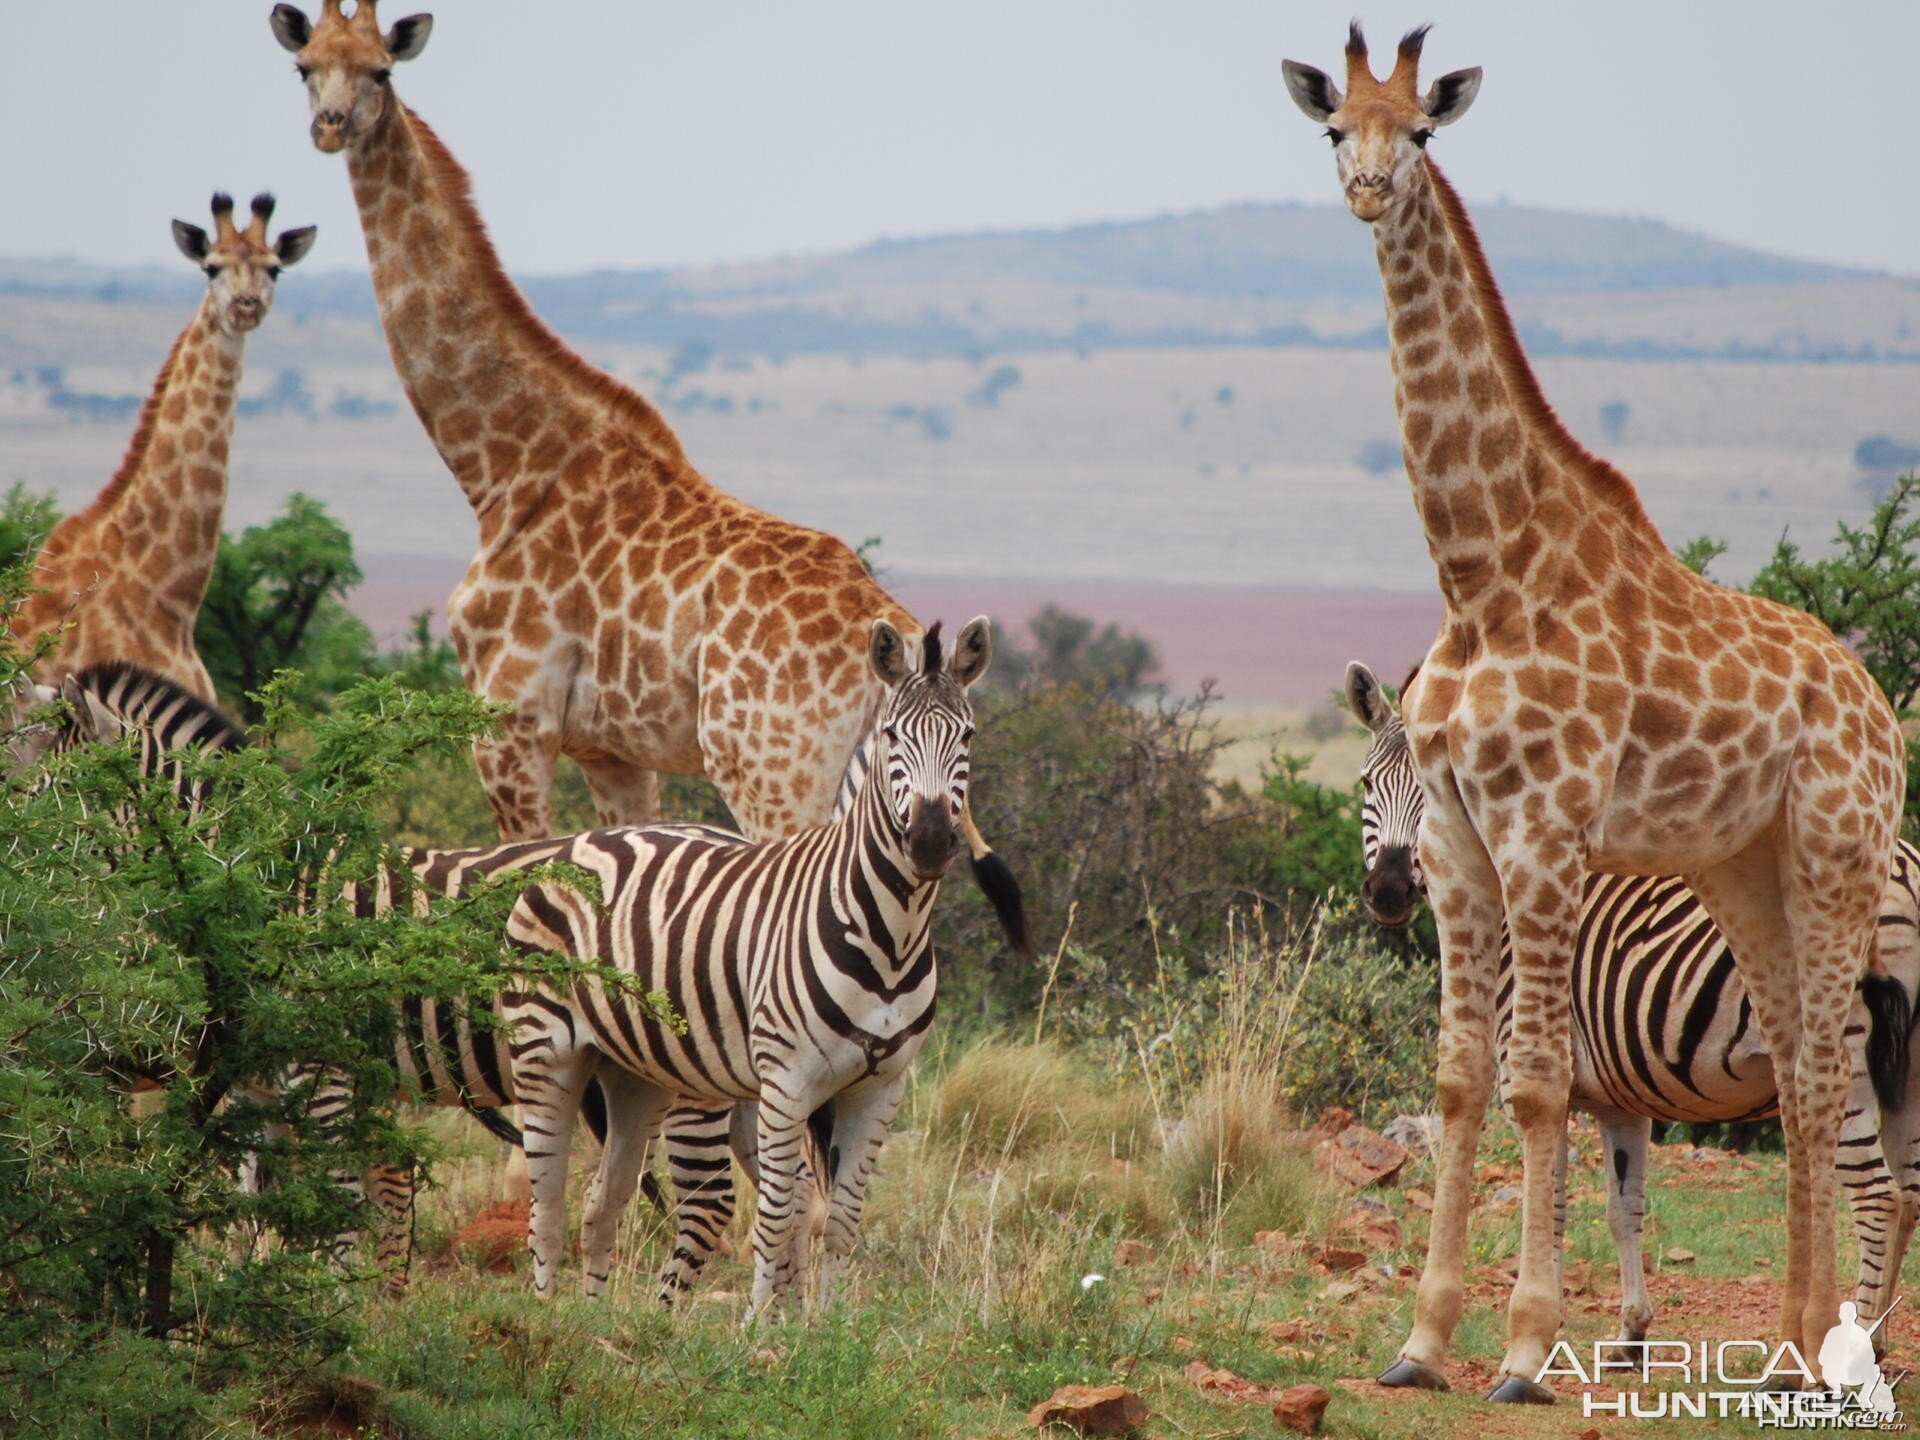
pixel 1663 1028
pixel 803 969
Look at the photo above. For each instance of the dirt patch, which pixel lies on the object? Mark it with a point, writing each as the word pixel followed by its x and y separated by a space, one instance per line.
pixel 495 1237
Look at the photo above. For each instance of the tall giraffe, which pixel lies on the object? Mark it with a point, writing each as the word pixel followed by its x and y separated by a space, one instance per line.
pixel 1592 704
pixel 125 577
pixel 634 616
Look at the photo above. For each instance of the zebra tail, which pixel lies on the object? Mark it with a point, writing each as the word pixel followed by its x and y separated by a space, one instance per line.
pixel 1889 1031
pixel 998 883
pixel 498 1124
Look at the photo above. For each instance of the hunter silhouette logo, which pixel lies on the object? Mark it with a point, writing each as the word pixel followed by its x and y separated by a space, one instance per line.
pixel 1771 1383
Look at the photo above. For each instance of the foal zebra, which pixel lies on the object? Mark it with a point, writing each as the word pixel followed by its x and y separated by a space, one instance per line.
pixel 804 968
pixel 1663 1028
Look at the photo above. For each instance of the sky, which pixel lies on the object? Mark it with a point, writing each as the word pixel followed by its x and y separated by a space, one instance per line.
pixel 641 134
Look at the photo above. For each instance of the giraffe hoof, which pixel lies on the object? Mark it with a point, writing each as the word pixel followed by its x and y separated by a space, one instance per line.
pixel 1513 1390
pixel 1405 1374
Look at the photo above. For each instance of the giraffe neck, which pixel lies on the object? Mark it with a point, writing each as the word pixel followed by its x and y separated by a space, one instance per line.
pixel 166 503
pixel 1501 486
pixel 507 404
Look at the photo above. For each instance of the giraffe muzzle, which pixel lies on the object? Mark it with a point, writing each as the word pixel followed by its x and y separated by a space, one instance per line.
pixel 1368 193
pixel 330 131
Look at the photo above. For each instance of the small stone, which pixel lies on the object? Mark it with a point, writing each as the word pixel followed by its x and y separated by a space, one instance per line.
pixel 1091 1410
pixel 1507 1195
pixel 1300 1408
pixel 1678 1255
pixel 1361 1157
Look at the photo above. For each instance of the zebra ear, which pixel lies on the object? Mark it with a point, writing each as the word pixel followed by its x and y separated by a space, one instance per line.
pixel 972 651
pixel 1364 699
pixel 94 721
pixel 888 655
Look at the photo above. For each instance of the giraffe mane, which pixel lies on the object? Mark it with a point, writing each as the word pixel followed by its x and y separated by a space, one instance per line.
pixel 456 188
pixel 1510 359
pixel 142 439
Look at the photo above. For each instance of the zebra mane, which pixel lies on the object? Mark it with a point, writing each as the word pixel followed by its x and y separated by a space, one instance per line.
pixel 147 700
pixel 930 666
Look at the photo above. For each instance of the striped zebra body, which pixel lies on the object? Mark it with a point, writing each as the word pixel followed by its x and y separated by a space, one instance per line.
pixel 803 968
pixel 1663 1028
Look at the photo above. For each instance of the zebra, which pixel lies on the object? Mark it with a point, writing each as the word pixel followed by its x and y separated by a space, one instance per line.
pixel 804 969
pixel 1663 1028
pixel 442 1056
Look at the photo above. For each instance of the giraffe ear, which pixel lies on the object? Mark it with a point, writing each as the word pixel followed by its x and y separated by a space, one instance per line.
pixel 972 651
pixel 290 28
pixel 93 720
pixel 1311 90
pixel 1364 698
pixel 293 245
pixel 408 37
pixel 1448 98
pixel 887 653
pixel 192 241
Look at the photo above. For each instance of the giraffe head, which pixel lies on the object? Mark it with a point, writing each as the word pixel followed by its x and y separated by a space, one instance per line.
pixel 1390 804
pixel 927 727
pixel 347 64
pixel 241 265
pixel 1379 127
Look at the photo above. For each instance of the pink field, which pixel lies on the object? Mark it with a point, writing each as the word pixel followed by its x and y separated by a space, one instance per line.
pixel 1261 646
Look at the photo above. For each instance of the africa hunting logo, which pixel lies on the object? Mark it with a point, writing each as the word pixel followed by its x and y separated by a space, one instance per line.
pixel 1719 1379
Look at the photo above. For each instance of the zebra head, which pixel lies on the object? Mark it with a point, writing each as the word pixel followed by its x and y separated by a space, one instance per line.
pixel 31 736
pixel 107 701
pixel 926 734
pixel 1390 804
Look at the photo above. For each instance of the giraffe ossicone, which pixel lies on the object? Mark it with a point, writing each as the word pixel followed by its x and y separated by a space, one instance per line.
pixel 1592 705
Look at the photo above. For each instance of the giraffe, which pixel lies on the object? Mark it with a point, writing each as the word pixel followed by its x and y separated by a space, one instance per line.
pixel 124 578
pixel 1592 704
pixel 635 617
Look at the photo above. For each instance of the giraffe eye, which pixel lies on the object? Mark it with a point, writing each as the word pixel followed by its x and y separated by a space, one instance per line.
pixel 213 271
pixel 381 77
pixel 1420 138
pixel 273 272
pixel 1336 136
pixel 305 72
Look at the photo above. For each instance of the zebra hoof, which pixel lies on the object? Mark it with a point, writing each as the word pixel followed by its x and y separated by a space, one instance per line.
pixel 1513 1390
pixel 1405 1374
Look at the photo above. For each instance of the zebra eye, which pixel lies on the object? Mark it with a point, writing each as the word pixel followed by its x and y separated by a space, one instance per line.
pixel 892 732
pixel 966 736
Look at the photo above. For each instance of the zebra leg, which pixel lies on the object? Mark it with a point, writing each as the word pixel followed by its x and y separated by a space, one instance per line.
pixel 635 1108
pixel 782 1143
pixel 1627 1138
pixel 862 1116
pixel 1873 1195
pixel 703 1191
pixel 550 1074
pixel 392 1188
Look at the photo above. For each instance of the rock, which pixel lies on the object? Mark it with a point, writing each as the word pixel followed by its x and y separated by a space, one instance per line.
pixel 1091 1410
pixel 1679 1256
pixel 1333 1120
pixel 1300 1408
pixel 1419 1133
pixel 495 1236
pixel 1362 1157
pixel 1508 1195
pixel 1132 1252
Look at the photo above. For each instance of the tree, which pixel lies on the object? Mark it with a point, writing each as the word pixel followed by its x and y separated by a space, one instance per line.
pixel 1106 661
pixel 1867 591
pixel 275 602
pixel 27 517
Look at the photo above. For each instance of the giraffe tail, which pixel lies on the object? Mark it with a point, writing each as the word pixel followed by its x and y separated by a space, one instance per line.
pixel 997 882
pixel 1889 1032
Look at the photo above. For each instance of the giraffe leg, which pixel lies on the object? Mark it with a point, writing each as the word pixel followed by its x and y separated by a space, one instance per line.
pixel 635 1108
pixel 1465 893
pixel 862 1116
pixel 623 794
pixel 1626 1141
pixel 704 1196
pixel 517 771
pixel 1543 882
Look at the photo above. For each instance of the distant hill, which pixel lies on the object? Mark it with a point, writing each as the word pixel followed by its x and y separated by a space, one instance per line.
pixel 1246 274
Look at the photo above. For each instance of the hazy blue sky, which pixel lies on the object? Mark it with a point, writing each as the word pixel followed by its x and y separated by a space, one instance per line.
pixel 640 133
